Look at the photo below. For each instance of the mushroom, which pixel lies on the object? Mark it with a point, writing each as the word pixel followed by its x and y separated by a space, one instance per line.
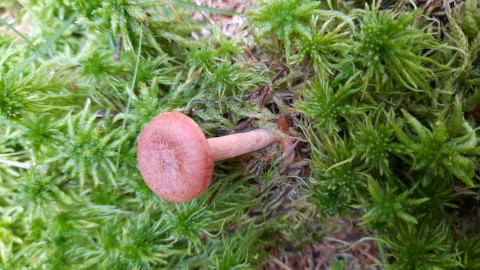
pixel 176 159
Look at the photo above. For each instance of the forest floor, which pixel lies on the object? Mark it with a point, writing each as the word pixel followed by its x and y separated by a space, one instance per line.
pixel 348 246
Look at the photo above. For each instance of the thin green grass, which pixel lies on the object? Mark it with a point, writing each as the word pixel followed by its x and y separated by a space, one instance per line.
pixel 22 36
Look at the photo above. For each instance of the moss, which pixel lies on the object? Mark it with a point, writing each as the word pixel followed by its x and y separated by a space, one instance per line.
pixel 383 104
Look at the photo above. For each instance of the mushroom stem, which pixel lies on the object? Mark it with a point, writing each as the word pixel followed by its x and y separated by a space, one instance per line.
pixel 237 144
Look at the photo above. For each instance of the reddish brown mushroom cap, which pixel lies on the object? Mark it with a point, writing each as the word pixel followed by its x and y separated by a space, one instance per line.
pixel 174 157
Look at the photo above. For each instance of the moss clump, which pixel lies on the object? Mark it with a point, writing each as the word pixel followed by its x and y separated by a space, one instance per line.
pixel 382 102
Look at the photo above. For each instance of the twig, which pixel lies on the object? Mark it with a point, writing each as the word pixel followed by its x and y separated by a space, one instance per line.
pixel 370 256
pixel 266 89
pixel 119 48
pixel 253 94
pixel 260 178
pixel 174 11
pixel 249 52
pixel 244 124
pixel 279 74
pixel 331 239
pixel 348 244
pixel 263 90
pixel 263 95
pixel 287 152
pixel 281 264
pixel 204 14
pixel 325 258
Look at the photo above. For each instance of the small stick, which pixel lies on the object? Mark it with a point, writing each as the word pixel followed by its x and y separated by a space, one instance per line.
pixel 244 124
pixel 267 87
pixel 119 49
pixel 287 156
pixel 260 179
pixel 249 52
pixel 281 264
pixel 349 245
pixel 204 14
pixel 370 256
pixel 331 239
pixel 279 74
pixel 174 11
pixel 263 95
pixel 253 94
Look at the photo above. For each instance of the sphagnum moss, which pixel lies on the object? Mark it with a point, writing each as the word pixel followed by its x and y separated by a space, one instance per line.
pixel 397 174
pixel 388 133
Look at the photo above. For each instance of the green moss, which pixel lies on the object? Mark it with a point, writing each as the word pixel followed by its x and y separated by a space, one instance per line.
pixel 383 104
pixel 286 18
pixel 388 44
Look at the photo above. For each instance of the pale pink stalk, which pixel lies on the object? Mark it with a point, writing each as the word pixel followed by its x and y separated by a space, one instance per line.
pixel 238 144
